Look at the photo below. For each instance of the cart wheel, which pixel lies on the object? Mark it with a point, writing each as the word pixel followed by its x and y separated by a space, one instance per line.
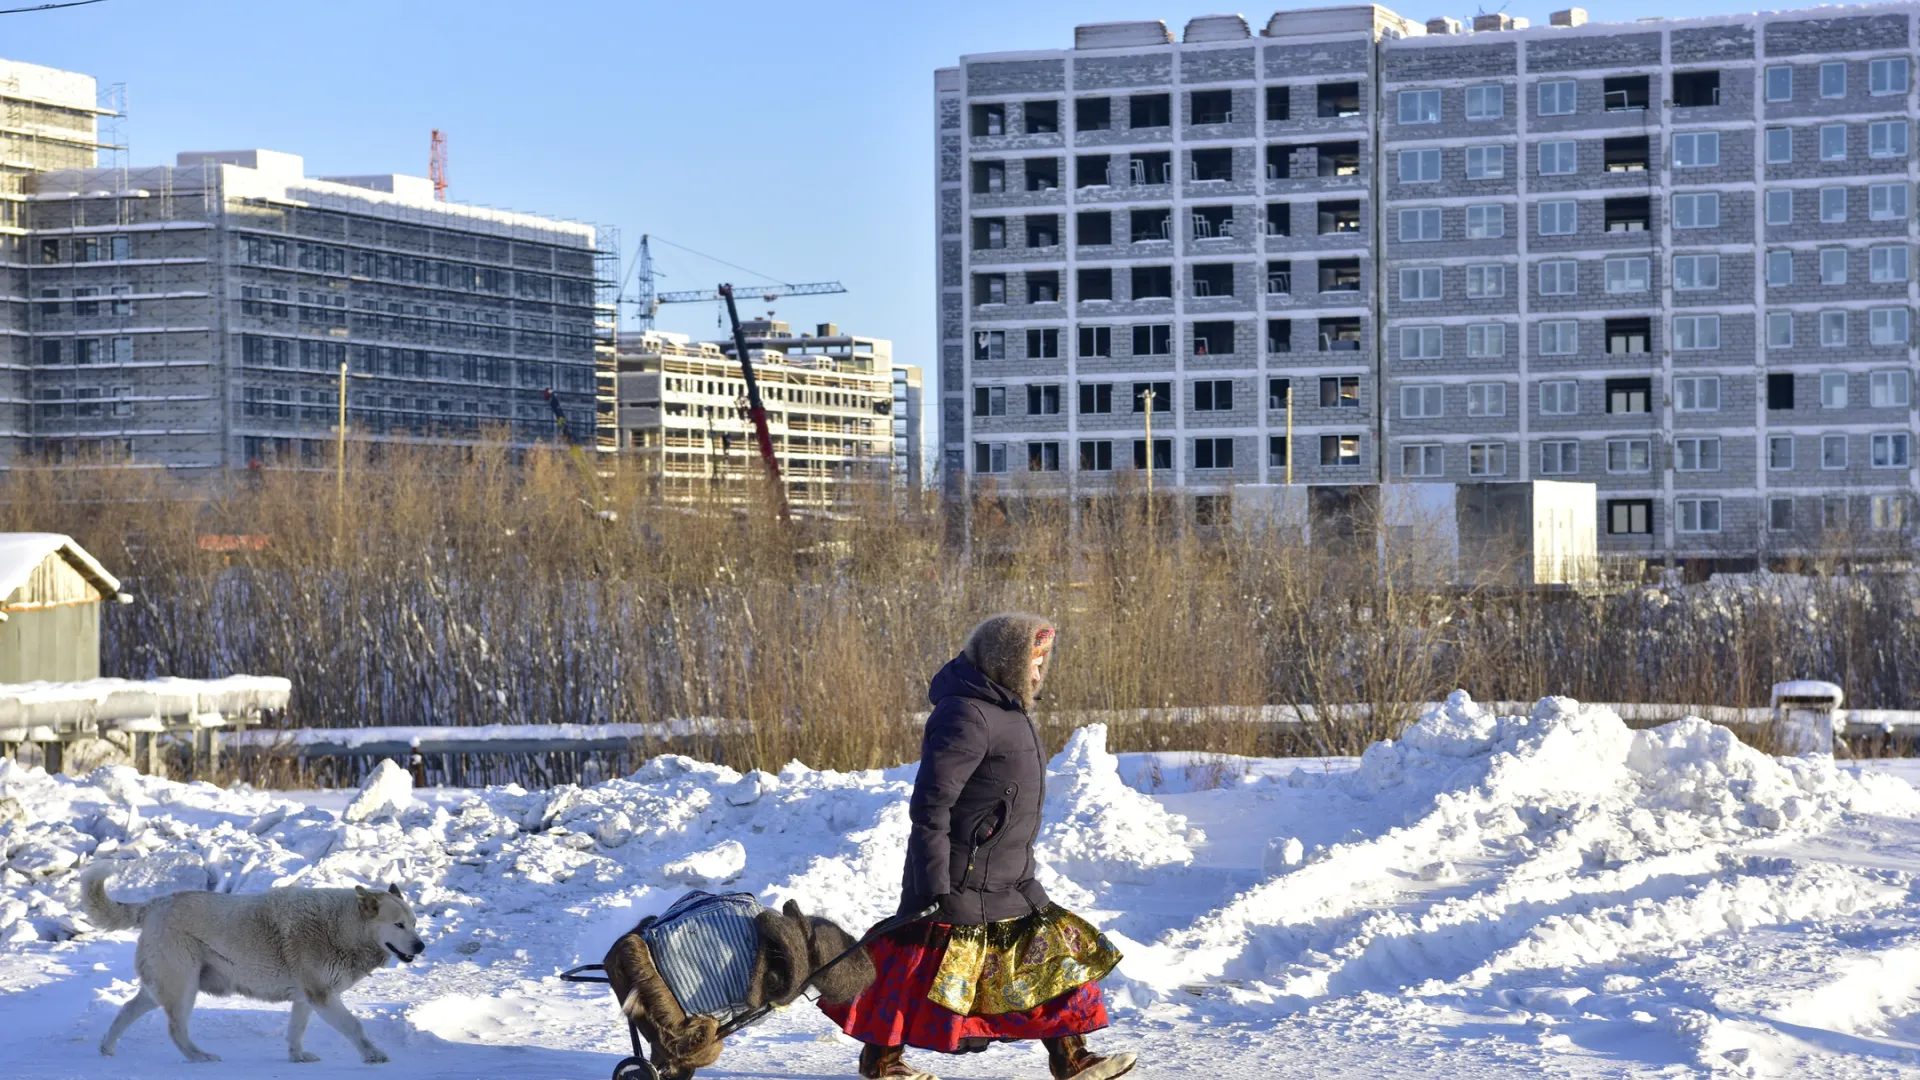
pixel 633 1068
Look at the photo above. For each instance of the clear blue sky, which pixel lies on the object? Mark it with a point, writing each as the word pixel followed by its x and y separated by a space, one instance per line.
pixel 794 139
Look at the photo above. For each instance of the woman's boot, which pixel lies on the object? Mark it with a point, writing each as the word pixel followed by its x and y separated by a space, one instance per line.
pixel 1068 1059
pixel 888 1063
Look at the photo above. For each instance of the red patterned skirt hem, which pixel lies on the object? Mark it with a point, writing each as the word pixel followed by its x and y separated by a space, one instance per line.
pixel 894 1011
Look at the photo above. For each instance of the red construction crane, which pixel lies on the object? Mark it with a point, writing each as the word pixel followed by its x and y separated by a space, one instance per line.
pixel 437 165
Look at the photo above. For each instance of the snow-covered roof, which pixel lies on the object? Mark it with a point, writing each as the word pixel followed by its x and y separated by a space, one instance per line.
pixel 20 553
pixel 1807 688
pixel 135 704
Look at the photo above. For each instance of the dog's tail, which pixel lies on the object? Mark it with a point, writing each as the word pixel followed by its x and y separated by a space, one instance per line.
pixel 102 910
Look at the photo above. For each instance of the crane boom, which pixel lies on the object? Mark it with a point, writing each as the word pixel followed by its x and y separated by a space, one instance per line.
pixel 765 292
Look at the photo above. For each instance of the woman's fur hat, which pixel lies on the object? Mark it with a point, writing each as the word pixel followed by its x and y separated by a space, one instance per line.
pixel 1001 648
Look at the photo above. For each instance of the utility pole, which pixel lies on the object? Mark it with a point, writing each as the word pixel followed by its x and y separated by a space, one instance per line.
pixel 1147 396
pixel 340 458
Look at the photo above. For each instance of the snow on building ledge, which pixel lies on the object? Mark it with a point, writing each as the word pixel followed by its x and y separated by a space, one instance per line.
pixel 93 706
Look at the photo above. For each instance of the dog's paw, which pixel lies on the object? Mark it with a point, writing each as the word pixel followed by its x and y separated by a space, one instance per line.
pixel 301 1057
pixel 106 1049
pixel 373 1055
pixel 201 1057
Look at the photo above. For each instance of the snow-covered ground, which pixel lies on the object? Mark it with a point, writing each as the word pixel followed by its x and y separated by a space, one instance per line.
pixel 1549 895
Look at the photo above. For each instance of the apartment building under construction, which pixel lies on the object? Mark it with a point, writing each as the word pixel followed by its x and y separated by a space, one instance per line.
pixel 829 398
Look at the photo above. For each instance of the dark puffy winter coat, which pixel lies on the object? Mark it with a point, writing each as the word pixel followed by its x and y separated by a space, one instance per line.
pixel 976 802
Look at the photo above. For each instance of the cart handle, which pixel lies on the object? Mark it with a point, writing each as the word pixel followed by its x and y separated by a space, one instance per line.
pixel 885 926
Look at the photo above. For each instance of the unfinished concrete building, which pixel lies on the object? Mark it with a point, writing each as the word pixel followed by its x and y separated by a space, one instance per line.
pixel 829 400
pixel 909 429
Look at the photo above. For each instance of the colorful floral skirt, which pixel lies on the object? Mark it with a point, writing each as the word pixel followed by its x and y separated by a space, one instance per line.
pixel 958 988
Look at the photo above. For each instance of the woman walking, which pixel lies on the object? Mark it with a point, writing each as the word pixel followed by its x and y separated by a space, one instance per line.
pixel 1000 962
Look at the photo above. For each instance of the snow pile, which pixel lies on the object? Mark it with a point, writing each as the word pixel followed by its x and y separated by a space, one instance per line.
pixel 1097 828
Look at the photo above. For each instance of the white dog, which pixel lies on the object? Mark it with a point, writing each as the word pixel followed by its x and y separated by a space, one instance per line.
pixel 298 945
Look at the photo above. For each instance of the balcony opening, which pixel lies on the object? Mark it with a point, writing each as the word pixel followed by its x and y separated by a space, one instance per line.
pixel 1340 275
pixel 1279 219
pixel 989 120
pixel 1341 335
pixel 1042 117
pixel 1279 335
pixel 1279 162
pixel 1043 230
pixel 1043 174
pixel 1339 99
pixel 1695 88
pixel 1213 279
pixel 1093 228
pixel 1154 167
pixel 1279 277
pixel 1213 164
pixel 1627 154
pixel 1212 222
pixel 989 234
pixel 1153 283
pixel 1340 217
pixel 1212 106
pixel 1213 339
pixel 989 177
pixel 1629 395
pixel 1093 114
pixel 1092 170
pixel 1150 111
pixel 1625 93
pixel 1279 103
pixel 1628 337
pixel 1148 226
pixel 1629 214
pixel 1043 287
pixel 1096 283
pixel 1339 159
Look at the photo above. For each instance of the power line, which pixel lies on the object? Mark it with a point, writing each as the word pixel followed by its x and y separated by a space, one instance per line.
pixel 722 262
pixel 50 7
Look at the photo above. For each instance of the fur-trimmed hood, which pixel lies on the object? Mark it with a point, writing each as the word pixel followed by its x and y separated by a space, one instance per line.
pixel 1001 648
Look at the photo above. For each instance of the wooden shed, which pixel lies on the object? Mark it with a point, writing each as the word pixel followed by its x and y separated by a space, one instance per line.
pixel 51 592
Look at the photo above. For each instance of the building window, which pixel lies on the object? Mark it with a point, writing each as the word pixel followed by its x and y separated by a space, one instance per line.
pixel 1486 280
pixel 1779 452
pixel 1889 450
pixel 1833 266
pixel 1279 103
pixel 1339 450
pixel 1421 402
pixel 1696 210
pixel 1154 339
pixel 1096 455
pixel 1096 398
pixel 1043 344
pixel 1159 394
pixel 1887 138
pixel 1279 393
pixel 1043 399
pixel 1093 114
pixel 1485 340
pixel 1887 202
pixel 1213 453
pixel 1559 337
pixel 1779 83
pixel 1486 459
pixel 1559 397
pixel 1486 221
pixel 1162 453
pixel 1779 146
pixel 1486 162
pixel 1887 75
pixel 1487 399
pixel 1780 514
pixel 1558 97
pixel 989 401
pixel 1833 329
pixel 1779 206
pixel 989 288
pixel 1426 459
pixel 1833 389
pixel 1043 457
pixel 1696 455
pixel 1213 395
pixel 1559 217
pixel 1340 392
pixel 1096 341
pixel 1887 326
pixel 1626 275
pixel 1833 80
pixel 1279 335
pixel 1696 393
pixel 1277 451
pixel 1887 513
pixel 1420 224
pixel 1779 268
pixel 1420 283
pixel 1779 330
pixel 1559 277
pixel 1886 389
pixel 1696 271
pixel 1698 149
pixel 1629 395
pixel 989 458
pixel 1833 451
pixel 1419 106
pixel 989 344
pixel 1419 166
pixel 1213 339
pixel 1559 457
pixel 1780 390
pixel 1487 102
pixel 1833 205
pixel 1559 158
pixel 1629 456
pixel 1696 88
pixel 1629 517
pixel 1421 343
pixel 1696 332
pixel 1833 142
pixel 1698 515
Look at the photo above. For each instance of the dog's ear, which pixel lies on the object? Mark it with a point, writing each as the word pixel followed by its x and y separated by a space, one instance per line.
pixel 394 888
pixel 792 911
pixel 369 902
